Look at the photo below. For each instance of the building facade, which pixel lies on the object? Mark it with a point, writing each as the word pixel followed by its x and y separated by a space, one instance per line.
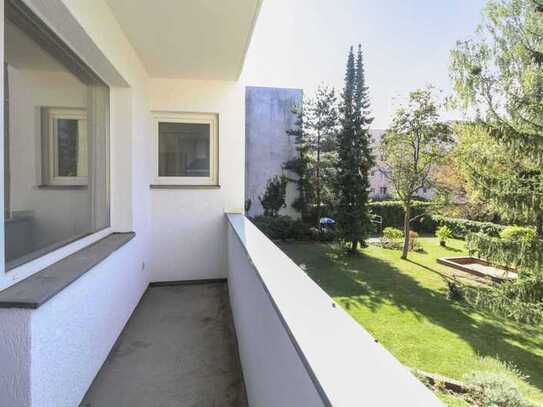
pixel 123 160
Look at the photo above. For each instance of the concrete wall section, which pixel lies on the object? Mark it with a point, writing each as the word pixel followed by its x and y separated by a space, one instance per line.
pixel 268 115
pixel 188 230
pixel 273 372
pixel 277 332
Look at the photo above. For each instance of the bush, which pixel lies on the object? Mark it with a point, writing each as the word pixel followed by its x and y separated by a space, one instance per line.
pixel 392 238
pixel 489 389
pixel 461 227
pixel 455 291
pixel 392 233
pixel 274 195
pixel 444 234
pixel 282 227
pixel 326 234
pixel 518 233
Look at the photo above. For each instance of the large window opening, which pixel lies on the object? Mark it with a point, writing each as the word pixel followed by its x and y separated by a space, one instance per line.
pixel 56 114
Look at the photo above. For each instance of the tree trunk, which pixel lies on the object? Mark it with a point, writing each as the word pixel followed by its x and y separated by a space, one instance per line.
pixel 318 184
pixel 354 246
pixel 406 227
pixel 539 225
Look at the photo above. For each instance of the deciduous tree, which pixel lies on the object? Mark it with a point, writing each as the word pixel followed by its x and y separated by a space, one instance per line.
pixel 412 148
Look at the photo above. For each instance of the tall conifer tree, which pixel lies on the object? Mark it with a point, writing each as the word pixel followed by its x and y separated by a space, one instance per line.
pixel 354 155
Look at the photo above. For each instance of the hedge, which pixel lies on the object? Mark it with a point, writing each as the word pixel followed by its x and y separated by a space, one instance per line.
pixel 392 213
pixel 462 227
pixel 287 228
pixel 282 227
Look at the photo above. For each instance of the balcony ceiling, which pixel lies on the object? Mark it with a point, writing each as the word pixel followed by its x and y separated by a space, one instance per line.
pixel 198 39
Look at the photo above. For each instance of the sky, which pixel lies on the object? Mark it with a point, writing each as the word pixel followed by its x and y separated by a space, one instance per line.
pixel 406 45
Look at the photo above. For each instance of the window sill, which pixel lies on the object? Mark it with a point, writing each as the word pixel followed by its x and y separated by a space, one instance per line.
pixel 62 187
pixel 37 289
pixel 183 186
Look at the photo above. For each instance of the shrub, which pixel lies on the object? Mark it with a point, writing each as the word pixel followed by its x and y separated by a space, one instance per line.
pixel 282 227
pixel 489 389
pixel 444 234
pixel 248 205
pixel 326 234
pixel 518 233
pixel 455 291
pixel 392 238
pixel 274 195
pixel 392 233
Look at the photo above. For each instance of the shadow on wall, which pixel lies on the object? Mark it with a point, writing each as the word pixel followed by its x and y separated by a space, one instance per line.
pixel 268 115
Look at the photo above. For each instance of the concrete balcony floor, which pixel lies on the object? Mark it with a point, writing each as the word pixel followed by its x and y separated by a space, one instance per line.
pixel 177 350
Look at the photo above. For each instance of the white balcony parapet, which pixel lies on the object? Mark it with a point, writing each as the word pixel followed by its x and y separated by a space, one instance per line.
pixel 297 346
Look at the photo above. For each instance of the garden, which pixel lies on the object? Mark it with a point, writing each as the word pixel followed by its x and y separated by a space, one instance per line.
pixel 451 285
pixel 406 306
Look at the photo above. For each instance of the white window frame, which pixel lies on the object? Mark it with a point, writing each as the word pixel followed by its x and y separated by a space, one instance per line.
pixel 212 119
pixel 50 115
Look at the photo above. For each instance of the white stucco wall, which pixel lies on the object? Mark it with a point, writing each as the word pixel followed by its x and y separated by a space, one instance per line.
pixel 15 357
pixel 73 333
pixel 49 356
pixel 188 229
pixel 273 372
pixel 287 326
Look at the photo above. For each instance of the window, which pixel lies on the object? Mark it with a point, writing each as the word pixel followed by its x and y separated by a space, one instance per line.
pixel 56 163
pixel 65 146
pixel 186 147
pixel 383 191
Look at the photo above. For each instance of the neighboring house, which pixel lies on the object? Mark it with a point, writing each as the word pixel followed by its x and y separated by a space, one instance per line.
pixel 379 184
pixel 381 187
pixel 130 275
pixel 268 116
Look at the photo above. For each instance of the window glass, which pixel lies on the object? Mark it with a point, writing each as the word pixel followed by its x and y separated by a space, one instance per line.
pixel 184 149
pixel 68 147
pixel 56 142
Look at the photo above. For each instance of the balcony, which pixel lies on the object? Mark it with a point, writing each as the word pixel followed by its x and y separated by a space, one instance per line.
pixel 269 336
pixel 296 346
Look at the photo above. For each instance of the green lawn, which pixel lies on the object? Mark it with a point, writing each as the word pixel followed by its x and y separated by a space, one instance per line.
pixel 403 304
